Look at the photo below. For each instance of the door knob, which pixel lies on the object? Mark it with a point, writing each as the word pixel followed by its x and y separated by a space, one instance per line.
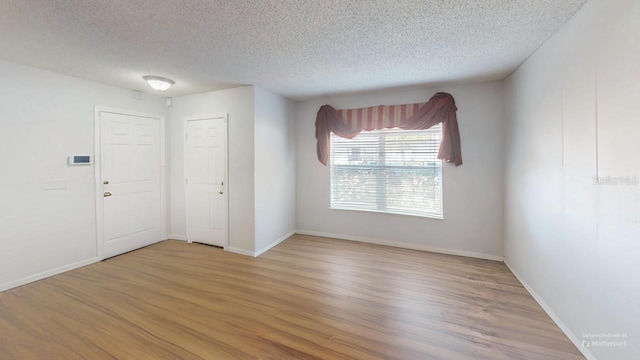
pixel 107 194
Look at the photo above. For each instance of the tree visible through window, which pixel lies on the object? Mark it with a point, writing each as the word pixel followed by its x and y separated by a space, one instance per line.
pixel 392 171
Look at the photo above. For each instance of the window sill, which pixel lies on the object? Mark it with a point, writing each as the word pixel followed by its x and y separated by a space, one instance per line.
pixel 435 217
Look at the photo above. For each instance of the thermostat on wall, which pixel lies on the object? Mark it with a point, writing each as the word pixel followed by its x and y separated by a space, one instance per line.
pixel 80 160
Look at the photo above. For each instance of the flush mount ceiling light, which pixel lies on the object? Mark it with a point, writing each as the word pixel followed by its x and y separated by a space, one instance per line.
pixel 158 82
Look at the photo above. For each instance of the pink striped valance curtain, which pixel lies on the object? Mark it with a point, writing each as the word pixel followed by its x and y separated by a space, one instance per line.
pixel 441 108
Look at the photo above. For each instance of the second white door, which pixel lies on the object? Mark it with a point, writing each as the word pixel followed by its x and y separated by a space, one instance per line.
pixel 205 178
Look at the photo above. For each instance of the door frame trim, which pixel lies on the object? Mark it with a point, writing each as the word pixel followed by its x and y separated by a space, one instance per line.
pixel 185 122
pixel 97 173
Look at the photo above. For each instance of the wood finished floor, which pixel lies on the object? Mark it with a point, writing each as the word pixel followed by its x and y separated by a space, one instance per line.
pixel 308 298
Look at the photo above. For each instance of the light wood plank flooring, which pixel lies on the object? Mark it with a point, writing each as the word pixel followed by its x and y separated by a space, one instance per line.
pixel 308 298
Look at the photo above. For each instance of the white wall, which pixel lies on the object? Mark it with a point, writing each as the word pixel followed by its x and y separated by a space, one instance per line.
pixel 46 117
pixel 472 192
pixel 275 168
pixel 238 103
pixel 573 110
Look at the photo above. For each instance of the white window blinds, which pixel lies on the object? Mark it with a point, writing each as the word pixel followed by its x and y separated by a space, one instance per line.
pixel 392 171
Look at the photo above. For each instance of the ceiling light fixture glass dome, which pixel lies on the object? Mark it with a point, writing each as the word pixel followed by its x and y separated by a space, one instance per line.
pixel 158 82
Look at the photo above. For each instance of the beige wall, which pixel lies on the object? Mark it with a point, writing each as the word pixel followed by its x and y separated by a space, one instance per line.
pixel 275 168
pixel 45 118
pixel 472 193
pixel 573 110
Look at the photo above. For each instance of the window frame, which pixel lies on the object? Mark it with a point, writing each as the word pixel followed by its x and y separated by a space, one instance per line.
pixel 427 215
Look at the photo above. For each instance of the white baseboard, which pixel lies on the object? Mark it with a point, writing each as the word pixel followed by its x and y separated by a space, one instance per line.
pixel 268 247
pixel 263 250
pixel 178 237
pixel 46 274
pixel 556 319
pixel 403 245
pixel 239 251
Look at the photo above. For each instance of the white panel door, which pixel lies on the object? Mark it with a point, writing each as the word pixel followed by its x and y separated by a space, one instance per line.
pixel 130 174
pixel 205 173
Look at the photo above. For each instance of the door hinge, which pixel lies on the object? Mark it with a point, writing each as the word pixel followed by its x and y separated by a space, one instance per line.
pixel 186 137
pixel 186 181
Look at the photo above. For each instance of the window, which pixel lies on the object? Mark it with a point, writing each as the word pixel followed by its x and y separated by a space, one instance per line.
pixel 391 171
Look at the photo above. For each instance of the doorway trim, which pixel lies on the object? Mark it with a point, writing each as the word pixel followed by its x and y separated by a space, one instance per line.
pixel 97 172
pixel 185 122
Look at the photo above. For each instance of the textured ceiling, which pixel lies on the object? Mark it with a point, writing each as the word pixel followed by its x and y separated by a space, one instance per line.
pixel 298 48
